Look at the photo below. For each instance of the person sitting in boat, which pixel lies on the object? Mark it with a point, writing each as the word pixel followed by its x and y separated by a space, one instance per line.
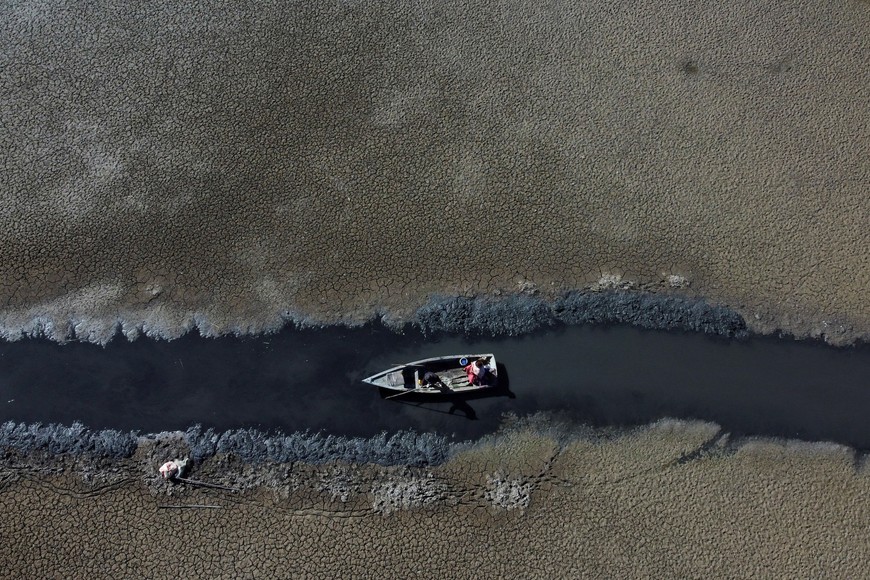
pixel 478 372
pixel 432 380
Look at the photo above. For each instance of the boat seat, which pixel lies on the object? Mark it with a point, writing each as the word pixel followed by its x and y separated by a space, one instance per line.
pixel 454 376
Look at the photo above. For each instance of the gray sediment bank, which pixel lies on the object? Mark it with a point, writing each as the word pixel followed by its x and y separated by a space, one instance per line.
pixel 403 448
pixel 249 445
pixel 521 314
pixel 253 447
pixel 505 315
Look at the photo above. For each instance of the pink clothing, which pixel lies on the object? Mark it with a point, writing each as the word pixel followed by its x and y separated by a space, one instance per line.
pixel 477 375
pixel 471 372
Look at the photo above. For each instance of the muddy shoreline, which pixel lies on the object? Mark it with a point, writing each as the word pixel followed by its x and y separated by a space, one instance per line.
pixel 540 497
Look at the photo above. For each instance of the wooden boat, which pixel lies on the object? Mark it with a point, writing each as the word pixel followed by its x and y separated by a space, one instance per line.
pixel 450 369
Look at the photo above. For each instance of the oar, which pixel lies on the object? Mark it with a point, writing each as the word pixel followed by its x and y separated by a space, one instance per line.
pixel 421 406
pixel 402 393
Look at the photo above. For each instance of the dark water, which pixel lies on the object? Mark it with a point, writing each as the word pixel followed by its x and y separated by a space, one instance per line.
pixel 310 379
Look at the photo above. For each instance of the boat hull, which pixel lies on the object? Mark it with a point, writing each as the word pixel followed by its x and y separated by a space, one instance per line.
pixel 407 377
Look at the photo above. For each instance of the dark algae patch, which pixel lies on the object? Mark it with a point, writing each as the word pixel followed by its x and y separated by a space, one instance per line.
pixel 250 445
pixel 521 314
pixel 75 439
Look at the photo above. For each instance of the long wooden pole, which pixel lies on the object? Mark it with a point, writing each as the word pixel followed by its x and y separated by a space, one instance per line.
pixel 190 507
pixel 402 393
pixel 204 484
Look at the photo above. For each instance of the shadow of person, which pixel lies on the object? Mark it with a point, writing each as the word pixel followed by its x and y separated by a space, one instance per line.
pixel 461 405
pixel 442 388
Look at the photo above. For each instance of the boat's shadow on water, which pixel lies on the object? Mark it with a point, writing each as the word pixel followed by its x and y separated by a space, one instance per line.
pixel 459 402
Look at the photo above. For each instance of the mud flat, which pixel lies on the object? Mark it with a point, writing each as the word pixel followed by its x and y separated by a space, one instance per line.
pixel 541 498
pixel 233 167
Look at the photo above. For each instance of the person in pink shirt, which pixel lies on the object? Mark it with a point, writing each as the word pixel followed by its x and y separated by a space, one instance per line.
pixel 478 372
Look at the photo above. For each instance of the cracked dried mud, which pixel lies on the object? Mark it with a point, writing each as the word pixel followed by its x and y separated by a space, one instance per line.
pixel 233 167
pixel 673 499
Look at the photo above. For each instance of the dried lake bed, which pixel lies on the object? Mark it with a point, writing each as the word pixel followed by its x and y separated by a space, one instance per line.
pixel 341 161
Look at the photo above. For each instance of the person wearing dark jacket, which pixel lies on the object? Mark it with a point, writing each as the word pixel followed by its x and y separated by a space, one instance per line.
pixel 431 379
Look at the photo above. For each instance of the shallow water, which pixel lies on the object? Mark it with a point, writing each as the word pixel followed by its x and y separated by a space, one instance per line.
pixel 310 379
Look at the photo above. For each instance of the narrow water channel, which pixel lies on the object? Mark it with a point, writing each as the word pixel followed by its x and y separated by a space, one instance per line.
pixel 310 379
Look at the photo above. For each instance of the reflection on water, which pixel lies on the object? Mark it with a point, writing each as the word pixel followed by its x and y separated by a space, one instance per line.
pixel 310 379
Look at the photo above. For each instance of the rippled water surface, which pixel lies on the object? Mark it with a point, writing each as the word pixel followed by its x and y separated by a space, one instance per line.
pixel 310 379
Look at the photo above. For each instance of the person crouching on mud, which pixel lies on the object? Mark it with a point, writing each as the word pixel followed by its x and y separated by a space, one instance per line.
pixel 478 372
